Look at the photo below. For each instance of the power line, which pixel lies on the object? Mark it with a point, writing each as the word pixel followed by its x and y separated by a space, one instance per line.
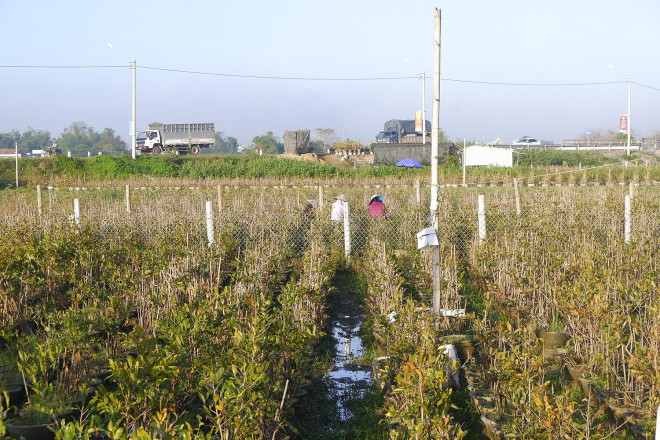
pixel 533 84
pixel 644 85
pixel 376 78
pixel 296 78
pixel 302 78
pixel 60 67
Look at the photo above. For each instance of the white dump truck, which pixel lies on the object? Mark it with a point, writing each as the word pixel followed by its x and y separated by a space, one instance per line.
pixel 178 138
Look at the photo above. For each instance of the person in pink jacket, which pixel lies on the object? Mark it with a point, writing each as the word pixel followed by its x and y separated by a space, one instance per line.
pixel 377 207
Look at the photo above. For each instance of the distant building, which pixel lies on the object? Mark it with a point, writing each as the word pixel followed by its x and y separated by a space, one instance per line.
pixel 481 155
pixel 9 152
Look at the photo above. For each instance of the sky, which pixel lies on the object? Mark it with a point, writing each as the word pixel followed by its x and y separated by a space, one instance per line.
pixel 547 69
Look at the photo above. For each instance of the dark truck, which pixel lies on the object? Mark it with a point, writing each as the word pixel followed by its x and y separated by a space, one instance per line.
pixel 179 138
pixel 402 131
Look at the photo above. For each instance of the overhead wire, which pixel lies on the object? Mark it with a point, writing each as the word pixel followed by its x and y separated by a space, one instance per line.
pixel 303 78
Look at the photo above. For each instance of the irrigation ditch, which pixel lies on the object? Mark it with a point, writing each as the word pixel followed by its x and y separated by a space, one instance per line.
pixel 340 401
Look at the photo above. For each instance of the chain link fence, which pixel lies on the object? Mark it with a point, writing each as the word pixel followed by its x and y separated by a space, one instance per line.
pixel 567 213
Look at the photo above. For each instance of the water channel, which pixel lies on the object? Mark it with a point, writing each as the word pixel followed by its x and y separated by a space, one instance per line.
pixel 350 379
pixel 342 401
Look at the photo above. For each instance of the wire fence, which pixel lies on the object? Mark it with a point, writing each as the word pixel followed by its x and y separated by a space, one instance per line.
pixel 567 213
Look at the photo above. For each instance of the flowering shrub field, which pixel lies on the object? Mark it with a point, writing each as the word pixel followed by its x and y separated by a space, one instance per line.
pixel 131 325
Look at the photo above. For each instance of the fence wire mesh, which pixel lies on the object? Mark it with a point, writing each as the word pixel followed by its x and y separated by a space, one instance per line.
pixel 560 217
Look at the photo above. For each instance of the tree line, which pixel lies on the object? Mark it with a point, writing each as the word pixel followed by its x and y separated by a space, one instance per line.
pixel 82 139
pixel 79 138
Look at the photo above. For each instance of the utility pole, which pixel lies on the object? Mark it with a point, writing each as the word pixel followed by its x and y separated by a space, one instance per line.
pixel 133 66
pixel 628 122
pixel 133 128
pixel 435 126
pixel 424 107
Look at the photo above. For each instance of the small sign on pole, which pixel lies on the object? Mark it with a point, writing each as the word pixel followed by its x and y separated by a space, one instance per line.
pixel 419 124
pixel 623 124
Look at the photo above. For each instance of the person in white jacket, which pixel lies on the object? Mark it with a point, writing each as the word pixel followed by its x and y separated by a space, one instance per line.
pixel 337 214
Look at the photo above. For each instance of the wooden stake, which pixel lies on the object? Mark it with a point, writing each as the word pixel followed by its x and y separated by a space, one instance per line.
pixel 516 190
pixel 219 199
pixel 128 199
pixel 39 199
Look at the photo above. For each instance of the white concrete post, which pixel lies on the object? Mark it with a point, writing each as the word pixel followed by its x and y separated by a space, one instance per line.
pixel 347 231
pixel 321 191
pixel 76 211
pixel 463 160
pixel 209 222
pixel 628 221
pixel 482 218
pixel 418 192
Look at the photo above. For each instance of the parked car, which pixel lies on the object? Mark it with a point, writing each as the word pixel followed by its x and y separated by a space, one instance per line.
pixel 526 141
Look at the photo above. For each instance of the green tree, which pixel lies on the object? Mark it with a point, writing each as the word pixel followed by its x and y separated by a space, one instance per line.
pixel 31 139
pixel 268 143
pixel 8 140
pixel 326 136
pixel 75 138
pixel 108 142
pixel 232 145
pixel 615 135
pixel 80 138
pixel 223 145
pixel 34 140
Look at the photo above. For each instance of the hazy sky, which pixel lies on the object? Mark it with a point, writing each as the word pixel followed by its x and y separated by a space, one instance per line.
pixel 483 41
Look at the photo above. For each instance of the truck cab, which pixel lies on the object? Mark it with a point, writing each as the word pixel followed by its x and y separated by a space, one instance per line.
pixel 387 137
pixel 149 141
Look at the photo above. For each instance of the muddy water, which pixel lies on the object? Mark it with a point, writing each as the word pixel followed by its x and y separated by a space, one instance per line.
pixel 341 402
pixel 350 380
